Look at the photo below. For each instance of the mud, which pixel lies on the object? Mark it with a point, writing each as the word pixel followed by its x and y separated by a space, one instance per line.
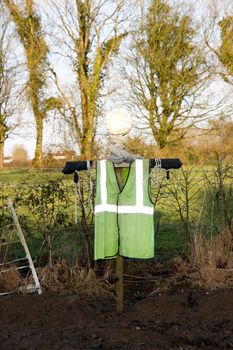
pixel 175 320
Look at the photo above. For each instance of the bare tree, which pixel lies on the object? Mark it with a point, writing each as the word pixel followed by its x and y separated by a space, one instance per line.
pixel 92 36
pixel 226 49
pixel 186 192
pixel 218 29
pixel 8 90
pixel 28 26
pixel 166 72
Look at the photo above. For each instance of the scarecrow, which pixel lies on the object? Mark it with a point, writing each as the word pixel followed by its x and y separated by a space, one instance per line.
pixel 124 212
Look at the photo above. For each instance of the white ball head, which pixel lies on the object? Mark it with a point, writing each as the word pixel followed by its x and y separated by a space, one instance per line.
pixel 118 122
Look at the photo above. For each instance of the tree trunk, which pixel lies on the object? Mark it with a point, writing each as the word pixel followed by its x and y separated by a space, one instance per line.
pixel 87 144
pixel 88 110
pixel 1 153
pixel 160 135
pixel 28 26
pixel 38 157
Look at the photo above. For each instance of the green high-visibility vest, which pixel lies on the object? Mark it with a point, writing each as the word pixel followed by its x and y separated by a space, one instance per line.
pixel 124 220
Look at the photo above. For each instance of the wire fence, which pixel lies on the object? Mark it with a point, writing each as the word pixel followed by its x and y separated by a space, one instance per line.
pixel 58 220
pixel 15 263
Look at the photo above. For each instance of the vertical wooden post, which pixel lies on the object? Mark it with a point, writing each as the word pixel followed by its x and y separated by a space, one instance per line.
pixel 119 262
pixel 119 285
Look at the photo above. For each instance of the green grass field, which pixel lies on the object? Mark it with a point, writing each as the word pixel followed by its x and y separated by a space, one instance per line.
pixel 13 176
pixel 44 201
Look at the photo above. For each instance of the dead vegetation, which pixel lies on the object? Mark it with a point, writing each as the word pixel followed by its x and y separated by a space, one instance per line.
pixel 59 278
pixel 212 260
pixel 10 280
pixel 62 277
pixel 210 263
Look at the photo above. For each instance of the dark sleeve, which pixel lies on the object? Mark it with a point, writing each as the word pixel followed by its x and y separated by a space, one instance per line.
pixel 71 167
pixel 167 163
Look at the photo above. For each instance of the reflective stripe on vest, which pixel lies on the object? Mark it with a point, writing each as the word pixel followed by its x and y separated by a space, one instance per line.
pixel 123 219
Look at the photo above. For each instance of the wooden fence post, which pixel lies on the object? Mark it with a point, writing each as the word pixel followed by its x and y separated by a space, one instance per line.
pixel 119 259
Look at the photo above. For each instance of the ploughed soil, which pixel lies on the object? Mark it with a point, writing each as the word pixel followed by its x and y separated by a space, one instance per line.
pixel 182 319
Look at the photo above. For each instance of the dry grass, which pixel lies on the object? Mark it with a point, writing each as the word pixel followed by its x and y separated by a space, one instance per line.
pixel 10 280
pixel 60 278
pixel 212 253
pixel 210 263
pixel 212 260
pixel 65 278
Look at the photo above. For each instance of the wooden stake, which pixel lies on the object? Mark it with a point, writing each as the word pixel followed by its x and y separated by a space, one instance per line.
pixel 119 285
pixel 119 259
